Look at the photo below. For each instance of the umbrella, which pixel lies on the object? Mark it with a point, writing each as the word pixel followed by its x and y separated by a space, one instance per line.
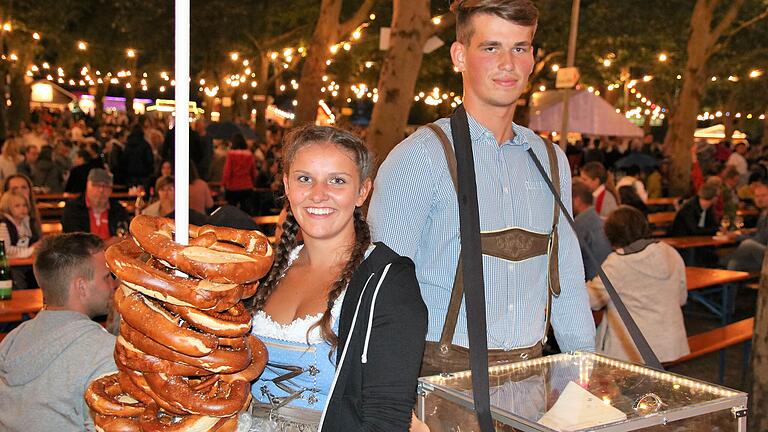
pixel 225 130
pixel 640 160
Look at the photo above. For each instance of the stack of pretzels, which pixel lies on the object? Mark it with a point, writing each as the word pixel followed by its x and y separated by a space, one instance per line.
pixel 185 355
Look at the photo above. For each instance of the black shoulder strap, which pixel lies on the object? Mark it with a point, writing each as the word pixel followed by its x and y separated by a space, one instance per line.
pixel 472 267
pixel 645 350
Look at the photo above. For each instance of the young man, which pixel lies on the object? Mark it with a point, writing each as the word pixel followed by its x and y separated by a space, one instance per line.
pixel 414 208
pixel 595 176
pixel 47 363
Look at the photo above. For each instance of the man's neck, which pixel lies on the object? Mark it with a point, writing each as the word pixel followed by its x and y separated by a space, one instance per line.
pixel 498 120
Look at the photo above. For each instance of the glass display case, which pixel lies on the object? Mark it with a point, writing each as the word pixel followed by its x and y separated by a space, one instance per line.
pixel 581 392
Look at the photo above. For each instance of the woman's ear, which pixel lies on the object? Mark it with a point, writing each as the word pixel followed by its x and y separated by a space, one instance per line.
pixel 365 189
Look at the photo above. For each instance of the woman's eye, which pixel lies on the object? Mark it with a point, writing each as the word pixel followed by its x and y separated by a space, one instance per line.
pixel 303 179
pixel 337 181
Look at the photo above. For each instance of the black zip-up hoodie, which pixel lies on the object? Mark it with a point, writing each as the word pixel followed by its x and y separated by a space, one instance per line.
pixel 382 329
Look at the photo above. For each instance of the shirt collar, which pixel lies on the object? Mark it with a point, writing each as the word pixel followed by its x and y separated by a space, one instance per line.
pixel 479 133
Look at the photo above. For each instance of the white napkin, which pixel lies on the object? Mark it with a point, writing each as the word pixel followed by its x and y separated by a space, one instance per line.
pixel 577 408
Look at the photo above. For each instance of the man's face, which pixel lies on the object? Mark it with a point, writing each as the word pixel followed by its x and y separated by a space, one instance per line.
pixel 98 194
pixel 100 289
pixel 32 153
pixel 593 183
pixel 761 195
pixel 741 149
pixel 496 62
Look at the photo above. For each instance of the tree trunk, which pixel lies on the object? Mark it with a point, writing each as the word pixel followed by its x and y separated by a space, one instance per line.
pixel 327 32
pixel 730 115
pixel 758 398
pixel 682 125
pixel 98 99
pixel 130 94
pixel 314 65
pixel 410 30
pixel 260 101
pixel 21 93
pixel 765 132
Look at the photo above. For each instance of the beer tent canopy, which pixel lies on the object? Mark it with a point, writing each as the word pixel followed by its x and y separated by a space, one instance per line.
pixel 587 114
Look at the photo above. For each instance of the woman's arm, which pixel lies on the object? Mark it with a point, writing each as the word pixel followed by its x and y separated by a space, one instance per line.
pixel 395 349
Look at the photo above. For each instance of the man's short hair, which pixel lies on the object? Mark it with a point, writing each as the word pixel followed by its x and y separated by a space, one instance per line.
pixel 580 190
pixel 61 258
pixel 730 172
pixel 595 170
pixel 626 225
pixel 709 189
pixel 520 12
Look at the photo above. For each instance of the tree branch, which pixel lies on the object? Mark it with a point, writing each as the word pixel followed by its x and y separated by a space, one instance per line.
pixel 728 19
pixel 746 24
pixel 356 19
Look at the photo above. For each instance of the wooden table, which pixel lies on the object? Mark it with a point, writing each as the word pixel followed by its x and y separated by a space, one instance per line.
pixel 721 282
pixel 21 262
pixel 687 242
pixel 661 218
pixel 700 277
pixel 662 201
pixel 22 302
pixel 67 195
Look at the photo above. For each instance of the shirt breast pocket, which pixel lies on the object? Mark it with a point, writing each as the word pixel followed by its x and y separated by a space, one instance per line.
pixel 540 202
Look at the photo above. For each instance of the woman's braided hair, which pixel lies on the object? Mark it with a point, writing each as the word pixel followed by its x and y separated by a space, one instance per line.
pixel 296 140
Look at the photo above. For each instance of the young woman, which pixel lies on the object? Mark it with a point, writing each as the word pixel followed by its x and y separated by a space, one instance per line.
pixel 649 275
pixel 343 318
pixel 164 188
pixel 15 230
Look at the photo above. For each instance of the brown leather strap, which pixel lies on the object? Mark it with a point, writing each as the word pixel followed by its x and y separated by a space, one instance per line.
pixel 554 268
pixel 457 292
pixel 450 156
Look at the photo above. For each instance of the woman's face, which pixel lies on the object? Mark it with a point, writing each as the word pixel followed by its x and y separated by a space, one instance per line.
pixel 165 169
pixel 19 186
pixel 19 209
pixel 323 188
pixel 166 194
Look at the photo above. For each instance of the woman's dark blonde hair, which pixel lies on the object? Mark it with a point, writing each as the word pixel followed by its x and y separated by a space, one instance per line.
pixel 34 214
pixel 294 142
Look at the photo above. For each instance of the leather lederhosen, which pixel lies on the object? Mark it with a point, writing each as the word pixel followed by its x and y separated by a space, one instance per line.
pixel 512 244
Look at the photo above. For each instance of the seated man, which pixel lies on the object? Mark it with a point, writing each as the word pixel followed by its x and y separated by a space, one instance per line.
pixel 595 176
pixel 589 228
pixel 696 216
pixel 94 211
pixel 47 363
pixel 749 255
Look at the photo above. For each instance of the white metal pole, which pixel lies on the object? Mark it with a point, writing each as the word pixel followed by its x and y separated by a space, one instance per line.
pixel 575 4
pixel 181 161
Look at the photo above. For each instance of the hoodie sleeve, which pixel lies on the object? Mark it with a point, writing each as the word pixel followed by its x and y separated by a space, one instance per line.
pixel 394 352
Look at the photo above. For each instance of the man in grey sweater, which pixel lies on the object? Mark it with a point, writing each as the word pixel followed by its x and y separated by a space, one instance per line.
pixel 47 363
pixel 589 228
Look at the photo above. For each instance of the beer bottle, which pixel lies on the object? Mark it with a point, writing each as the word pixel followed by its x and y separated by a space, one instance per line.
pixel 6 281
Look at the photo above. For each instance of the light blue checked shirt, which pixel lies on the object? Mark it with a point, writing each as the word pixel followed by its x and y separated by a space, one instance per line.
pixel 414 211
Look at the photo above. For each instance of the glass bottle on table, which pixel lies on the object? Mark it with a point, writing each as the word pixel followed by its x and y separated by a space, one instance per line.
pixel 6 281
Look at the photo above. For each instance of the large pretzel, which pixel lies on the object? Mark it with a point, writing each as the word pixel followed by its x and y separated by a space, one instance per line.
pixel 218 254
pixel 125 261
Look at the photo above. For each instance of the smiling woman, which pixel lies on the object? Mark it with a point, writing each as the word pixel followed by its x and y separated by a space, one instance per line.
pixel 337 301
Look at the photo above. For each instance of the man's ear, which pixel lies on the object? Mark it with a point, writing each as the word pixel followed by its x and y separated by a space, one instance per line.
pixel 458 53
pixel 78 287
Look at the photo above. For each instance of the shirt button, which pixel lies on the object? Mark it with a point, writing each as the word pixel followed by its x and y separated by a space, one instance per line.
pixel 506 190
pixel 511 307
pixel 511 267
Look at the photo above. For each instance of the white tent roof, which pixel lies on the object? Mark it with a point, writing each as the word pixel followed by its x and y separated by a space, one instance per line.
pixel 587 114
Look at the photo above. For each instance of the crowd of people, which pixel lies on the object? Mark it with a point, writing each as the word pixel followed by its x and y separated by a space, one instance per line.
pixel 355 309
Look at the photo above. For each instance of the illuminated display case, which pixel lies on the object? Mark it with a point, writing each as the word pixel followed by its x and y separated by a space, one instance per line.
pixel 582 392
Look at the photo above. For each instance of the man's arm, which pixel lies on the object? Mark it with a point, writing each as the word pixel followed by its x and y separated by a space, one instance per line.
pixel 571 317
pixel 402 196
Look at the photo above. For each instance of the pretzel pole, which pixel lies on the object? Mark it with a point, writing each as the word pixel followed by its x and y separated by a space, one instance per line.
pixel 181 161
